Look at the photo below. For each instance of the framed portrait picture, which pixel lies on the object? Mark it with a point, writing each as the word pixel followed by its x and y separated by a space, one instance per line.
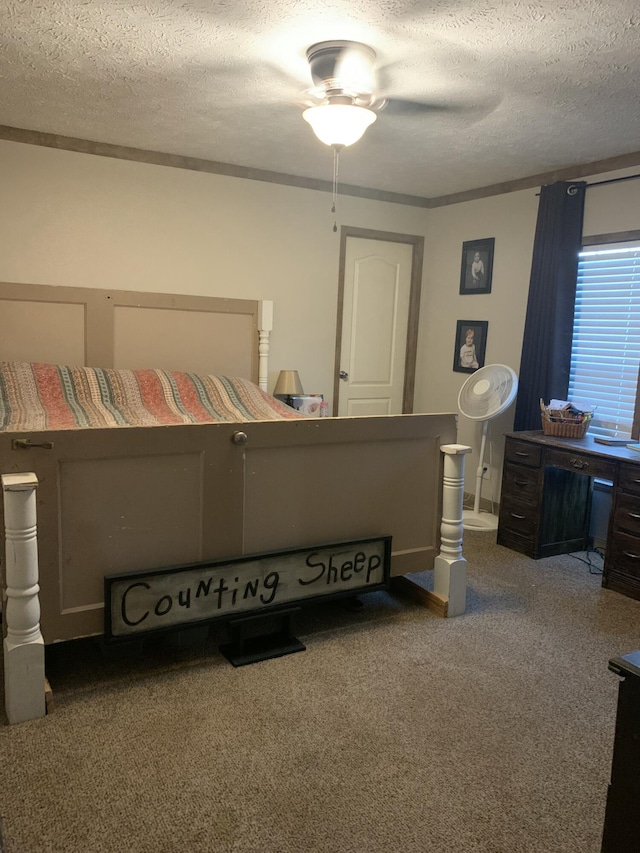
pixel 477 266
pixel 470 345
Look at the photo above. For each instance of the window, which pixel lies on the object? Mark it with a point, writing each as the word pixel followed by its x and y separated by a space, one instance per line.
pixel 605 353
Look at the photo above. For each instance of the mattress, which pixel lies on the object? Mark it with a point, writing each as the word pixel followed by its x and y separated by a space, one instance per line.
pixel 37 397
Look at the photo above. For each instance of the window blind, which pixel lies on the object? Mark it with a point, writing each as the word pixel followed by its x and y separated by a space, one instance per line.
pixel 605 353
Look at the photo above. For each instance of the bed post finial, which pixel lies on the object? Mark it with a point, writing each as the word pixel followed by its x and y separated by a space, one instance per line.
pixel 24 679
pixel 265 326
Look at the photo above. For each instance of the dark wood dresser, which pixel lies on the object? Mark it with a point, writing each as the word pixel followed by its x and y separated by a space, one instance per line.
pixel 545 503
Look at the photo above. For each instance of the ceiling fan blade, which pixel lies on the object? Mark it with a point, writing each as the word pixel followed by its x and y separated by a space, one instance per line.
pixel 406 106
pixel 244 83
pixel 457 96
pixel 473 109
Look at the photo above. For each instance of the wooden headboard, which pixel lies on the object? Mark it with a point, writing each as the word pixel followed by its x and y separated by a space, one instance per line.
pixel 130 329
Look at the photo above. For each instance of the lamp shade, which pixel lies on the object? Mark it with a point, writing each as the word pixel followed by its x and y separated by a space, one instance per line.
pixel 339 124
pixel 288 384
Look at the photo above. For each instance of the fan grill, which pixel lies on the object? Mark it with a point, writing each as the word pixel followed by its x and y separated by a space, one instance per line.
pixel 487 392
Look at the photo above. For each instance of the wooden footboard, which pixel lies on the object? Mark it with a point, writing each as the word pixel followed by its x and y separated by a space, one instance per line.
pixel 117 500
pixel 134 499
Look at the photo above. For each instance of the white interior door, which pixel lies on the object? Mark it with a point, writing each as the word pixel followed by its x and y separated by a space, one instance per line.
pixel 377 289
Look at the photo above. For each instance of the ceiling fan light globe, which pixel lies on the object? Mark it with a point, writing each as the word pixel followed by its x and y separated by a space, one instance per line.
pixel 339 124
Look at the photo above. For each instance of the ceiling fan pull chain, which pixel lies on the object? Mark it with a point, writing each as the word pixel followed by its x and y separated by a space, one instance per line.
pixel 336 157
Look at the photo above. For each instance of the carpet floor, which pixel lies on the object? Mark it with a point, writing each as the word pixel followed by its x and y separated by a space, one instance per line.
pixel 396 730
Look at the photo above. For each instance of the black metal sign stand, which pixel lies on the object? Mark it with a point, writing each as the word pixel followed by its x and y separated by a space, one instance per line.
pixel 251 641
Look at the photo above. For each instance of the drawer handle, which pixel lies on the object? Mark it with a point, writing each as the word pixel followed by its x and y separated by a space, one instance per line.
pixel 578 463
pixel 631 556
pixel 27 444
pixel 633 514
pixel 521 482
pixel 519 517
pixel 522 453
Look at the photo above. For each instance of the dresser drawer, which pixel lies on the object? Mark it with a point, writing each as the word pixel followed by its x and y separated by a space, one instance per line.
pixel 581 463
pixel 520 483
pixel 627 514
pixel 623 583
pixel 523 453
pixel 519 517
pixel 516 541
pixel 625 555
pixel 630 478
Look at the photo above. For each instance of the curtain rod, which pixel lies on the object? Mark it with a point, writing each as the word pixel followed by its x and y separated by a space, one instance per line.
pixel 613 180
pixel 609 181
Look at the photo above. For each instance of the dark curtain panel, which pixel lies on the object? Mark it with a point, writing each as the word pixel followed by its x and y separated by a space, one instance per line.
pixel 548 330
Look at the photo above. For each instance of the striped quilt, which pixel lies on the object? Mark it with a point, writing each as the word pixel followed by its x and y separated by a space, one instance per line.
pixel 53 397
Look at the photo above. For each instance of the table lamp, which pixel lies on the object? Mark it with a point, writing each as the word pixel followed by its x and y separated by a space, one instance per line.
pixel 288 386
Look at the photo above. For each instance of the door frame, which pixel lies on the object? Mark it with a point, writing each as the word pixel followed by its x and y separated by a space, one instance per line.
pixel 413 322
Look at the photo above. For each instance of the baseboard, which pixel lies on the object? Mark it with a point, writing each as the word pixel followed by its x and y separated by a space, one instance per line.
pixel 48 703
pixel 418 593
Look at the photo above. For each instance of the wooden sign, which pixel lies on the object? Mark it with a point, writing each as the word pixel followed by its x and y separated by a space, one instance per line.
pixel 137 603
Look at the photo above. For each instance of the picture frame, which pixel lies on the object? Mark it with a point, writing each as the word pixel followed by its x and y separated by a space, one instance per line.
pixel 471 358
pixel 476 271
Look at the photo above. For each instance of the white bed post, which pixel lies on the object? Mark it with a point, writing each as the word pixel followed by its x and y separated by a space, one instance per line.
pixel 450 567
pixel 265 326
pixel 24 680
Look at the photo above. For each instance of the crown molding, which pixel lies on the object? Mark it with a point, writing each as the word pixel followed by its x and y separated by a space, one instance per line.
pixel 195 164
pixel 568 173
pixel 177 161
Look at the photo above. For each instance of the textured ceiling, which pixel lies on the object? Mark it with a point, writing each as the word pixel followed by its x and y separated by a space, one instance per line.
pixel 544 85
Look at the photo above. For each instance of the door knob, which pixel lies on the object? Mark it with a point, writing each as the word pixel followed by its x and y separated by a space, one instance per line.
pixel 343 375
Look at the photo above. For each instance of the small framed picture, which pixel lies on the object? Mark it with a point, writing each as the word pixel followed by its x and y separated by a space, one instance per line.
pixel 470 346
pixel 477 266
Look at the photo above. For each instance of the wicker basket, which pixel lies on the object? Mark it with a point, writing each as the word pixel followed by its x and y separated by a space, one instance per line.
pixel 560 424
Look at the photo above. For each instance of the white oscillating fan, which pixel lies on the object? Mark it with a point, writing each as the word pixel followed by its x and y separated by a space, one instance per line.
pixel 485 394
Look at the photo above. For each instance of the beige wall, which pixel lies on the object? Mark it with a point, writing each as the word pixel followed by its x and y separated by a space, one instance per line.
pixel 511 220
pixel 614 207
pixel 77 219
pixel 82 220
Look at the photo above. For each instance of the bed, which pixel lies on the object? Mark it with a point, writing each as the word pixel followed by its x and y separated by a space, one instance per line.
pixel 116 496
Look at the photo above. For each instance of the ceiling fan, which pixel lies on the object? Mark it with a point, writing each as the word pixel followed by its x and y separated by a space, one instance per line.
pixel 346 97
pixel 343 101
